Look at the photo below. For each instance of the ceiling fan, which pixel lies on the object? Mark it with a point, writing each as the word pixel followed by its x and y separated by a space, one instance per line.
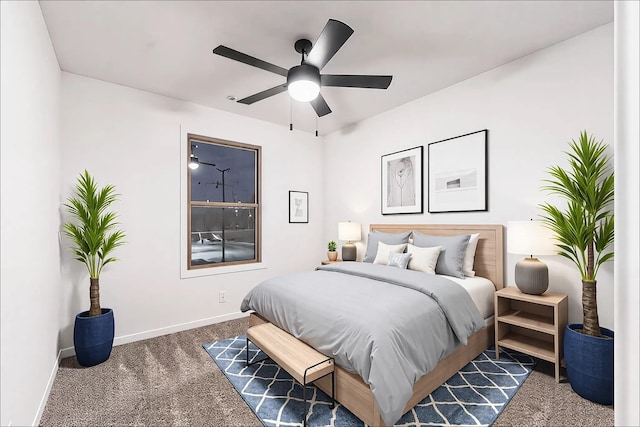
pixel 304 80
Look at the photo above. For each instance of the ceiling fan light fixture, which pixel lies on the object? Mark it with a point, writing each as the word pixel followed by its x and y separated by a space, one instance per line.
pixel 303 82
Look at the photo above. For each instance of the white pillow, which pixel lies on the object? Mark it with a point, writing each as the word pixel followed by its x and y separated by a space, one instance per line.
pixel 382 256
pixel 469 256
pixel 398 260
pixel 423 259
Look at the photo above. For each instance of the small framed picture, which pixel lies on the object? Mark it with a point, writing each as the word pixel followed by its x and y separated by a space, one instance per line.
pixel 298 207
pixel 401 174
pixel 458 173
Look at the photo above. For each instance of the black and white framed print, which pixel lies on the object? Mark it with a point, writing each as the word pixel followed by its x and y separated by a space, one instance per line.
pixel 402 177
pixel 457 178
pixel 298 206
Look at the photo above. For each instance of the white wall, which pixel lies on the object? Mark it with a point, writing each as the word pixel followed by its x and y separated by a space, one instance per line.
pixel 532 107
pixel 30 153
pixel 627 270
pixel 132 139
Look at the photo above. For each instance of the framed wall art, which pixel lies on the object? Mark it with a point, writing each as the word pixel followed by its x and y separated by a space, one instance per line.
pixel 401 189
pixel 457 178
pixel 298 207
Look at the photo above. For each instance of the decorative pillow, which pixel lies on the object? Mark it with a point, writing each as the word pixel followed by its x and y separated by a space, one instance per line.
pixel 470 255
pixel 451 257
pixel 423 259
pixel 398 260
pixel 387 238
pixel 382 256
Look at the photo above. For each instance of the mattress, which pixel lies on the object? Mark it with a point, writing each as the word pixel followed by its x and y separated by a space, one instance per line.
pixel 481 291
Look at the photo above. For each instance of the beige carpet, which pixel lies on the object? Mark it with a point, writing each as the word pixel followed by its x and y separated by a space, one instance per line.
pixel 171 380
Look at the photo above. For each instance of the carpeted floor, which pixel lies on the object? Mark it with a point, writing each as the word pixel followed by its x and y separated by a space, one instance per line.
pixel 171 380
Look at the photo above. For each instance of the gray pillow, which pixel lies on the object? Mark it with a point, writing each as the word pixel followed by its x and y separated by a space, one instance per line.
pixel 386 238
pixel 398 260
pixel 451 259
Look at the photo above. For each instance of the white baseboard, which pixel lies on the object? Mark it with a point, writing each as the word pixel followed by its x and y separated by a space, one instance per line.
pixel 139 336
pixel 45 396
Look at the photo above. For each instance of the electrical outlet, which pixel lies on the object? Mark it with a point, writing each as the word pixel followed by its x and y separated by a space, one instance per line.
pixel 221 297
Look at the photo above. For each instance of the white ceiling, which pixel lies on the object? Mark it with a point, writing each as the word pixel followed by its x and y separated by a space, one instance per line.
pixel 165 47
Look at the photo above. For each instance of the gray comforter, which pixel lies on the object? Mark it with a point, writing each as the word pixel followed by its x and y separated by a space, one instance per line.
pixel 388 325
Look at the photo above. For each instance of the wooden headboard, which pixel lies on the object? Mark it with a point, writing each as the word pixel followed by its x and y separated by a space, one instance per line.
pixel 489 260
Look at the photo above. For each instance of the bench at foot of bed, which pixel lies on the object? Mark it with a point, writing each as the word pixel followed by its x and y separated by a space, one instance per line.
pixel 301 361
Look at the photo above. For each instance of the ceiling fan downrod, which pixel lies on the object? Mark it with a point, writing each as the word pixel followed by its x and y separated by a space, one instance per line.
pixel 303 47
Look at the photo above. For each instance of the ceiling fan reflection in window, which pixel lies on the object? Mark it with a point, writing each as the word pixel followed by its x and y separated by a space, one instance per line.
pixel 304 80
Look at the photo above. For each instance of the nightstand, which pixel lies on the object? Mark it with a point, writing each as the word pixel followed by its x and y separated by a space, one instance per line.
pixel 326 261
pixel 531 324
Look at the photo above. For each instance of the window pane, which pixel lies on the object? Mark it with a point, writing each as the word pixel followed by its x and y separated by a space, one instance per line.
pixel 222 234
pixel 226 174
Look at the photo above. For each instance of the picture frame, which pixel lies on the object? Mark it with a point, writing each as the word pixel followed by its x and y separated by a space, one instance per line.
pixel 298 207
pixel 457 178
pixel 401 182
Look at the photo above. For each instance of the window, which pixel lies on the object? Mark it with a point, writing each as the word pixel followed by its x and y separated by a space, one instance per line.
pixel 223 202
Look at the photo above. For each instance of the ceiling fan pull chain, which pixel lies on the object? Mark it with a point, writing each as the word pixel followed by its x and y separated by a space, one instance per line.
pixel 316 126
pixel 290 114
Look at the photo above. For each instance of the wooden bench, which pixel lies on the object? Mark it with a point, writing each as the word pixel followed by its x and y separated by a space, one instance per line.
pixel 301 361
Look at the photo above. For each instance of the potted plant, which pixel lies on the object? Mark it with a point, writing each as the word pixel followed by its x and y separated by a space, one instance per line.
pixel 331 251
pixel 584 232
pixel 95 237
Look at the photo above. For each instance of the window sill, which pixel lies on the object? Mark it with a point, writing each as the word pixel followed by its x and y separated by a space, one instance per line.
pixel 214 271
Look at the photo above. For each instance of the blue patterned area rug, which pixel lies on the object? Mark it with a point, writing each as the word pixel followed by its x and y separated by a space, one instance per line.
pixel 474 396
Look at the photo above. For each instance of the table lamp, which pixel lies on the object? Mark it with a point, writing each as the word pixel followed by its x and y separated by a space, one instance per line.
pixel 349 231
pixel 533 238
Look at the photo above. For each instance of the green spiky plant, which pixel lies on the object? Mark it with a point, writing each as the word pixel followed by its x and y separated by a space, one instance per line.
pixel 94 235
pixel 585 229
pixel 331 246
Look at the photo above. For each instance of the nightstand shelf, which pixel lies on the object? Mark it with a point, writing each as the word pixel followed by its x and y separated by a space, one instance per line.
pixel 326 261
pixel 531 324
pixel 528 321
pixel 528 345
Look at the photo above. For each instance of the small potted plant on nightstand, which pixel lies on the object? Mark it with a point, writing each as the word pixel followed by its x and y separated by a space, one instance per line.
pixel 331 251
pixel 584 232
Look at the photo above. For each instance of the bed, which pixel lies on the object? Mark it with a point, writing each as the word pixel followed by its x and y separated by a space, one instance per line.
pixel 354 393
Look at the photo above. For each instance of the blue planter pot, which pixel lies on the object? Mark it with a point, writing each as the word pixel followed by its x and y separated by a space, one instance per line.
pixel 590 364
pixel 93 337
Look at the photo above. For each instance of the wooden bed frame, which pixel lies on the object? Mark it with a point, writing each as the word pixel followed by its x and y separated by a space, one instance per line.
pixel 355 394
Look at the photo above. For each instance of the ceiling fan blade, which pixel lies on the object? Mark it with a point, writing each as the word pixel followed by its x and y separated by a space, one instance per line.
pixel 320 105
pixel 333 36
pixel 249 60
pixel 370 82
pixel 262 95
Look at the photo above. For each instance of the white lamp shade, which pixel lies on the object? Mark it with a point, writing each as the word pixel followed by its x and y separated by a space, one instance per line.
pixel 349 231
pixel 531 238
